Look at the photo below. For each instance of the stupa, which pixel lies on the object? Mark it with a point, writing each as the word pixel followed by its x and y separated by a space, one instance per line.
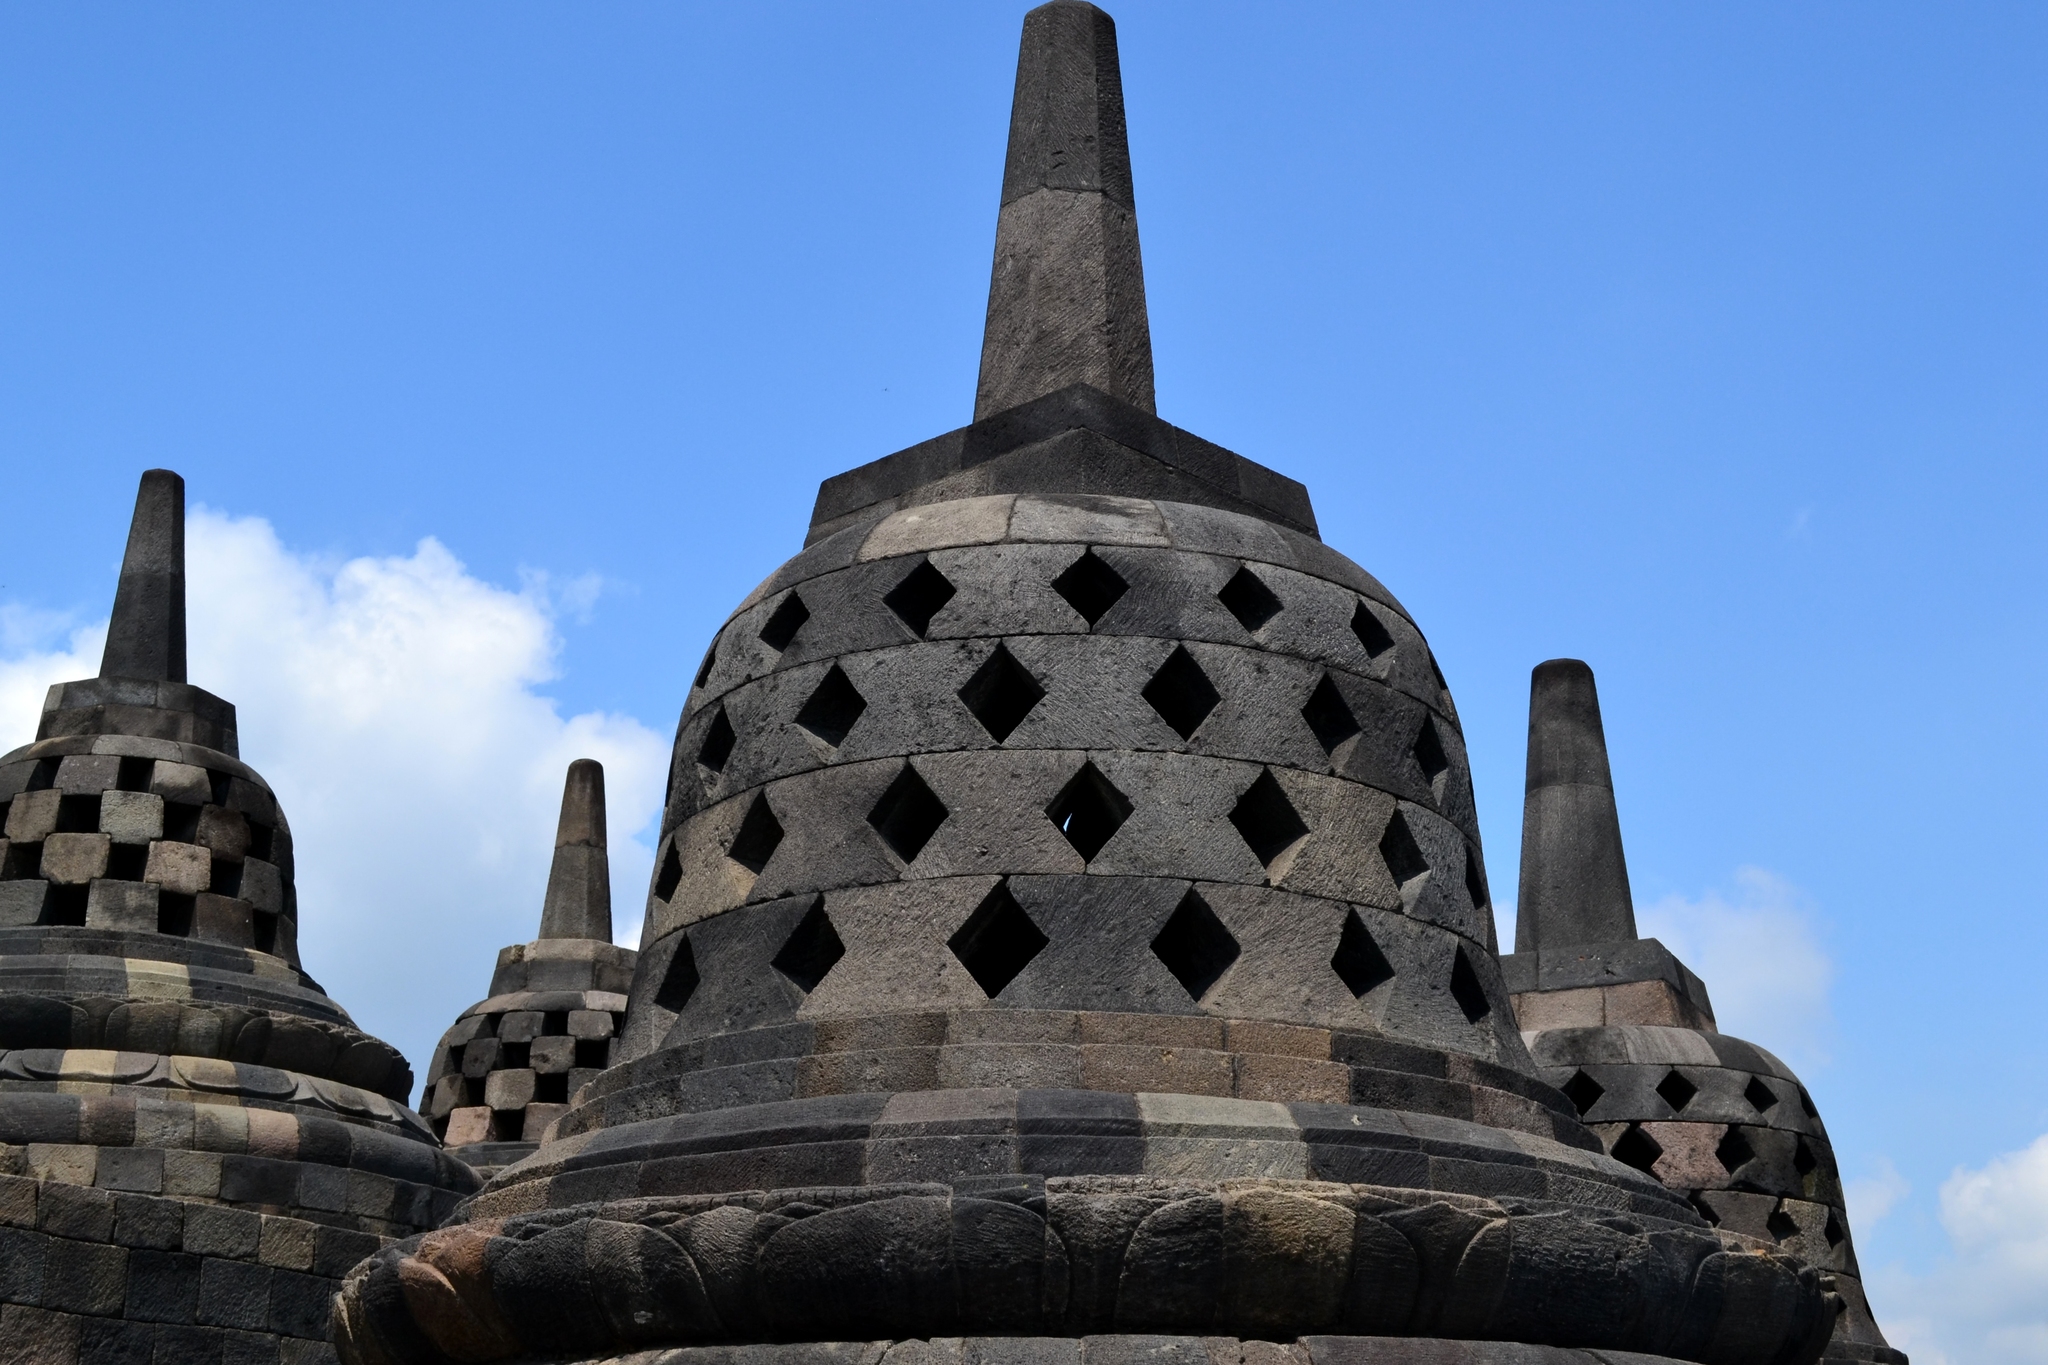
pixel 507 1067
pixel 196 1143
pixel 1626 1031
pixel 1069 937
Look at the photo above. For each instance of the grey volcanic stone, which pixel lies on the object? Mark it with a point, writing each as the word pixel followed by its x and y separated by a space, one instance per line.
pixel 146 637
pixel 1067 296
pixel 579 896
pixel 1574 878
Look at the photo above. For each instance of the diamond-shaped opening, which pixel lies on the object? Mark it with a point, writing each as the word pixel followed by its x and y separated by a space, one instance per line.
pixel 832 708
pixel 1676 1090
pixel 1803 1159
pixel 718 742
pixel 1358 962
pixel 1760 1096
pixel 1833 1231
pixel 1466 990
pixel 784 623
pixel 1001 693
pixel 811 950
pixel 1090 587
pixel 1583 1091
pixel 1248 599
pixel 908 814
pixel 1366 626
pixel 1405 863
pixel 1267 820
pixel 1638 1149
pixel 1195 946
pixel 1781 1224
pixel 1734 1152
pixel 919 596
pixel 997 941
pixel 1438 674
pixel 1475 879
pixel 680 981
pixel 1806 1103
pixel 759 833
pixel 671 874
pixel 1089 810
pixel 1181 693
pixel 1329 716
pixel 1430 755
pixel 704 669
pixel 1704 1209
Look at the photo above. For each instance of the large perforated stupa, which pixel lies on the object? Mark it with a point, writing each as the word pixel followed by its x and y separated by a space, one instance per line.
pixel 1070 938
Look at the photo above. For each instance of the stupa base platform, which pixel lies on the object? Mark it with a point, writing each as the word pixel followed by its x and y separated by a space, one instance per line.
pixel 1141 1350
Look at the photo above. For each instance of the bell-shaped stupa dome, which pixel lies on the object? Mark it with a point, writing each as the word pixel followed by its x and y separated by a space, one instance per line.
pixel 1069 933
pixel 1626 1030
pixel 202 1140
pixel 507 1067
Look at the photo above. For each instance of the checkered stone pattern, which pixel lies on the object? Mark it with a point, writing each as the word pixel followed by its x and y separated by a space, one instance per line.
pixel 145 835
pixel 1082 753
pixel 511 1064
pixel 1730 1127
pixel 1152 1349
pixel 195 1140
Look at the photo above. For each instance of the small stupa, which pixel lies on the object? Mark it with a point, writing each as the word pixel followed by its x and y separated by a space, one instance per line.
pixel 1625 1030
pixel 196 1143
pixel 507 1068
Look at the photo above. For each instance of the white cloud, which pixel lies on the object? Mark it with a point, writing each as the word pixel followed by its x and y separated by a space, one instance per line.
pixel 1988 1304
pixel 1872 1196
pixel 1759 952
pixel 395 706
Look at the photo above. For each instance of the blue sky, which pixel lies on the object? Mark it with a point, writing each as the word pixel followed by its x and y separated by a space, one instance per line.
pixel 1705 344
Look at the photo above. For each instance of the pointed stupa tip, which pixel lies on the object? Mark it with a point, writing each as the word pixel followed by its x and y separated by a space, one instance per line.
pixel 579 903
pixel 146 638
pixel 1066 300
pixel 1574 879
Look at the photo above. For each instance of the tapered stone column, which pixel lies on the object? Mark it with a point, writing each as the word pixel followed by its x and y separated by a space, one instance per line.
pixel 579 901
pixel 146 637
pixel 1574 877
pixel 1066 301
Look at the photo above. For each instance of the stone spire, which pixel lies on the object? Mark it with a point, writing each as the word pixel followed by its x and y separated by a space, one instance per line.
pixel 1574 878
pixel 1066 300
pixel 579 903
pixel 146 638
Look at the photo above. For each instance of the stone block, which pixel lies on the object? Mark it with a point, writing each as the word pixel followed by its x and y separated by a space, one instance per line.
pixel 80 1277
pixel 552 1056
pixel 211 1230
pixel 75 859
pixel 234 1294
pixel 590 1024
pixel 195 1175
pixel 141 1221
pixel 74 1211
pixel 136 1170
pixel 468 1125
pixel 181 782
pixel 17 1201
pixel 534 1125
pixel 1287 1079
pixel 32 816
pixel 1184 1071
pixel 186 869
pixel 1022 1066
pixel 224 831
pixel 521 1026
pixel 510 1089
pixel 262 886
pixel 132 817
pixel 37 1337
pixel 223 919
pixel 21 903
pixel 122 905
